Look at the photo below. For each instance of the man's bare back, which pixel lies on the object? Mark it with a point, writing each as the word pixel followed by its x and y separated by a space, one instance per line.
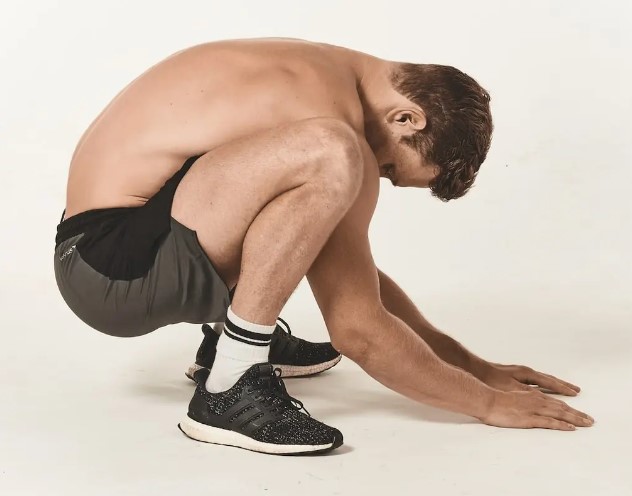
pixel 250 165
pixel 200 98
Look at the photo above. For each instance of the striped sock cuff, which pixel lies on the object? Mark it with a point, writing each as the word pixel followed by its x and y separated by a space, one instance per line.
pixel 247 332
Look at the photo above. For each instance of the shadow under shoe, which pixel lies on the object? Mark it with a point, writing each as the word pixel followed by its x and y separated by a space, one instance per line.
pixel 257 414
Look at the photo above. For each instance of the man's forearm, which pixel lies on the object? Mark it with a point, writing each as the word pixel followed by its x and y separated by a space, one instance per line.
pixel 448 349
pixel 395 356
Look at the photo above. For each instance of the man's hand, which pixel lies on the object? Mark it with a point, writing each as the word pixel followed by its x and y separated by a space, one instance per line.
pixel 534 409
pixel 520 378
pixel 460 381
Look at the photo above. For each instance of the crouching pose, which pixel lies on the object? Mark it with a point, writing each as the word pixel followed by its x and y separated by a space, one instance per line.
pixel 219 178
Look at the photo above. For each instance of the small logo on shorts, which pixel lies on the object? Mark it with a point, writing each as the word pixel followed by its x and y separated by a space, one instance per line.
pixel 67 252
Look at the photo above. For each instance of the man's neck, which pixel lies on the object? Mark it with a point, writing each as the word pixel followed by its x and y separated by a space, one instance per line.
pixel 374 86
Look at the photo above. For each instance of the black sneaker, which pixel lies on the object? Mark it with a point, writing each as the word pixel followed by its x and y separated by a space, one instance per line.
pixel 294 356
pixel 257 414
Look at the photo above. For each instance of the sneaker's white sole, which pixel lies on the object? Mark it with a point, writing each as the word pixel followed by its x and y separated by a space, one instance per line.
pixel 286 370
pixel 207 434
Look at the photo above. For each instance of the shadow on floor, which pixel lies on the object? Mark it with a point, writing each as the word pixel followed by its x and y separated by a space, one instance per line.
pixel 340 391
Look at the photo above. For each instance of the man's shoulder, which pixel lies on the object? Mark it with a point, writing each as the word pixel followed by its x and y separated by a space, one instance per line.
pixel 328 82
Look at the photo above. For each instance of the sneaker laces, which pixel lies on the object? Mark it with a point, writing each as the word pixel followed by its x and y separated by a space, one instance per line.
pixel 274 386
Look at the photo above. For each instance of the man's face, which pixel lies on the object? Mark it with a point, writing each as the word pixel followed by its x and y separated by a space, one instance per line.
pixel 398 161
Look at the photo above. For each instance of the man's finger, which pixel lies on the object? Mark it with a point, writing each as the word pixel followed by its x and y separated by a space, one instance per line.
pixel 575 388
pixel 542 422
pixel 547 382
pixel 566 413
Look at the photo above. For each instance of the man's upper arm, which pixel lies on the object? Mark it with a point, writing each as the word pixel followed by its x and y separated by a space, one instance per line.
pixel 344 277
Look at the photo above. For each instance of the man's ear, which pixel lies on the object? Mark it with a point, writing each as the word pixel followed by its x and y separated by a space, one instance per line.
pixel 406 120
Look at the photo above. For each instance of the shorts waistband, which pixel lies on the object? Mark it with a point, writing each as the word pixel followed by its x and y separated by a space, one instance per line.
pixel 101 217
pixel 78 224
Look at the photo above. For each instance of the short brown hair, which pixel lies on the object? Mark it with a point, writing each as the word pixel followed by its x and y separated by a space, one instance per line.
pixel 459 125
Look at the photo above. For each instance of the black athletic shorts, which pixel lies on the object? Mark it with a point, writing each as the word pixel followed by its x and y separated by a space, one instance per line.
pixel 128 271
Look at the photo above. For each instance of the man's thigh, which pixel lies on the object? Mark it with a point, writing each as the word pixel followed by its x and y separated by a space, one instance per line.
pixel 227 187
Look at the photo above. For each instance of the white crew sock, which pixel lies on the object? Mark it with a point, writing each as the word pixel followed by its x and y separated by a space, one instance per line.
pixel 240 346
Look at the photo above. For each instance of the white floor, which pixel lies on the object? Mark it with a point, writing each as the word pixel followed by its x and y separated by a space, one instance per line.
pixel 86 414
pixel 532 267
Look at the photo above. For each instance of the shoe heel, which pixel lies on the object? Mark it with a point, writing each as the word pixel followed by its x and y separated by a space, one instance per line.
pixel 190 373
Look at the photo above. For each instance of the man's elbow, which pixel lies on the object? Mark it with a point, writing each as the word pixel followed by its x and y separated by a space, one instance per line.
pixel 356 338
pixel 351 343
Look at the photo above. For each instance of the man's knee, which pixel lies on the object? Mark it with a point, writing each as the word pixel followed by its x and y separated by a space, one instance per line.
pixel 338 163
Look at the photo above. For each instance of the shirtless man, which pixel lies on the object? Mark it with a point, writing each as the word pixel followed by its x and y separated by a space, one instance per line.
pixel 258 162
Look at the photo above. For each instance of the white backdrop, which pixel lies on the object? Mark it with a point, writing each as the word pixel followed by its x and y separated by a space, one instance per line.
pixel 538 254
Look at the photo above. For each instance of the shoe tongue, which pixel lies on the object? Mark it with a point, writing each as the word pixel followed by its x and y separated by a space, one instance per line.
pixel 257 371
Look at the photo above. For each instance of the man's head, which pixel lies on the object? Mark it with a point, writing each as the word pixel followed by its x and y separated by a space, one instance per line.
pixel 432 128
